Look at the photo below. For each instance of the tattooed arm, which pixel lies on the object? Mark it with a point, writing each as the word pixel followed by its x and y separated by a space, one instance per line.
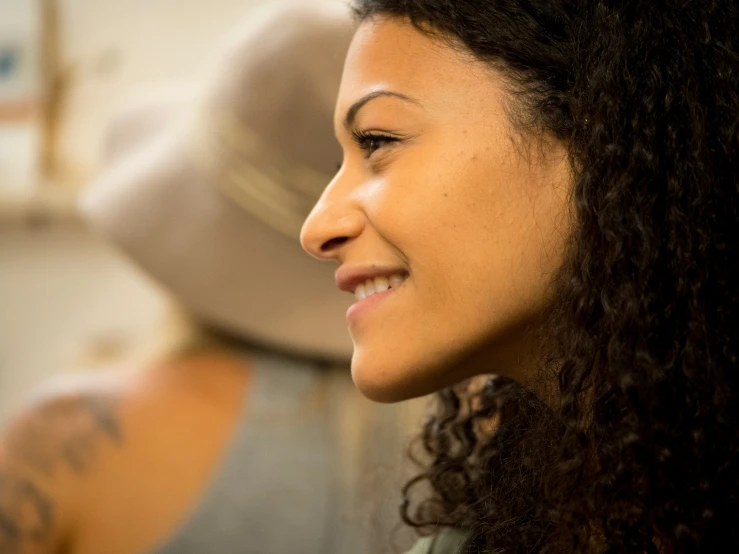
pixel 45 455
pixel 27 522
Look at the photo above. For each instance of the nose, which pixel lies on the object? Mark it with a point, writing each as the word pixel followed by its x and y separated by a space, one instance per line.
pixel 334 222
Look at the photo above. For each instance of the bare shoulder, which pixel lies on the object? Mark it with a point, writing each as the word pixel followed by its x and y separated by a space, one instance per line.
pixel 59 426
pixel 79 433
pixel 46 451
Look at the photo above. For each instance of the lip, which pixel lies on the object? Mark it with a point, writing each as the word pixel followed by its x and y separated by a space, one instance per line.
pixel 357 310
pixel 349 277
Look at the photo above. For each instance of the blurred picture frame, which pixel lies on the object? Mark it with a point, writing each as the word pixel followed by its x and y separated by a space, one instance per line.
pixel 21 94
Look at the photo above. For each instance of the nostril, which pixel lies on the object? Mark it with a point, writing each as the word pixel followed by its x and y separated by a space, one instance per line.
pixel 330 245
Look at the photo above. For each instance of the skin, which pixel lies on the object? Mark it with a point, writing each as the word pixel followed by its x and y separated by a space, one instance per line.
pixel 88 467
pixel 472 209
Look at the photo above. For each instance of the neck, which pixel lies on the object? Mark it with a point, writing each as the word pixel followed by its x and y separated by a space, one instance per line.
pixel 520 355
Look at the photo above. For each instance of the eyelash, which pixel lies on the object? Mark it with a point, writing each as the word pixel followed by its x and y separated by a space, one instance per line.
pixel 364 140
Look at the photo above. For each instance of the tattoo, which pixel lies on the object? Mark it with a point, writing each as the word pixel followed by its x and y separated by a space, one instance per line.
pixel 66 433
pixel 26 514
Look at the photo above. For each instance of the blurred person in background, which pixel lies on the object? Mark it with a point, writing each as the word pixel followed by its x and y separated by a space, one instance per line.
pixel 245 434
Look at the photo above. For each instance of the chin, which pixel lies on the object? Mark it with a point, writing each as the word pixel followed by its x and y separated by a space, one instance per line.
pixel 388 380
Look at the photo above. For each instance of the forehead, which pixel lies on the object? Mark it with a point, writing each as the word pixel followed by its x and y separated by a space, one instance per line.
pixel 391 54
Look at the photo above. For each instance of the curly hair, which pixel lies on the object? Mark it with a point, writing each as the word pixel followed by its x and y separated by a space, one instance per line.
pixel 641 452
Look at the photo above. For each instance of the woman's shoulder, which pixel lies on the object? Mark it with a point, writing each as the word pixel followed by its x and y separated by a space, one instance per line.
pixel 448 541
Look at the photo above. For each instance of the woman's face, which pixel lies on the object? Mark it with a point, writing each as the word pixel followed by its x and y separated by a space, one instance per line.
pixel 440 199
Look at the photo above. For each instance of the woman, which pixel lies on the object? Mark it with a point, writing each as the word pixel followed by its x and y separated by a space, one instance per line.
pixel 549 190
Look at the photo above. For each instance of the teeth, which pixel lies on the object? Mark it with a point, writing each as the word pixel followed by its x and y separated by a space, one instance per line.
pixel 378 284
pixel 360 292
pixel 381 284
pixel 369 287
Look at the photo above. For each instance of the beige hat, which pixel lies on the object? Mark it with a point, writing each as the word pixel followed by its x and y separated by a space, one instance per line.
pixel 210 199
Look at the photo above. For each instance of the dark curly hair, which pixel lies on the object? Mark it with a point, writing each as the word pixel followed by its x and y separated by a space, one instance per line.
pixel 640 452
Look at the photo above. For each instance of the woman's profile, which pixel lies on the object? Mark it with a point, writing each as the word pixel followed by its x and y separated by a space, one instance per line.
pixel 546 191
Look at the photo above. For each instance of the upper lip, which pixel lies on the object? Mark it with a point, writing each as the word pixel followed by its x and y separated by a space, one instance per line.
pixel 349 277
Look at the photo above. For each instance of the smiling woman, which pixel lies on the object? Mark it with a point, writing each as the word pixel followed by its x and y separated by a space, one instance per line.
pixel 546 190
pixel 420 152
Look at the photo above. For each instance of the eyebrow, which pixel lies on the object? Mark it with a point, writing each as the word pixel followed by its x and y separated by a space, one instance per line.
pixel 351 113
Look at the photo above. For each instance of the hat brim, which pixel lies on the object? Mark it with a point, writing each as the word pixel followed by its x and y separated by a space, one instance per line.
pixel 222 263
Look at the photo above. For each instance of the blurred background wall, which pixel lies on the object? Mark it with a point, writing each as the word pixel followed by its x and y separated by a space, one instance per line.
pixel 65 65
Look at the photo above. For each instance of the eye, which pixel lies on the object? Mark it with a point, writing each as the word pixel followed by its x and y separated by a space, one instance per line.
pixel 370 142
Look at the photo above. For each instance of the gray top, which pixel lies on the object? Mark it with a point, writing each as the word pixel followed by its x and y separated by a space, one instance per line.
pixel 449 541
pixel 288 481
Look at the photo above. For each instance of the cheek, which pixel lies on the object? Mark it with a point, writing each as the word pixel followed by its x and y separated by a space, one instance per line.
pixel 478 225
pixel 432 196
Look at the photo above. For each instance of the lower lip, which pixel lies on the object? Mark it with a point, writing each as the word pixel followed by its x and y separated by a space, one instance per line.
pixel 357 310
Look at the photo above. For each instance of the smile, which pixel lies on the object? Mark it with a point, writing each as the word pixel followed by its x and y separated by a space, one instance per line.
pixel 377 285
